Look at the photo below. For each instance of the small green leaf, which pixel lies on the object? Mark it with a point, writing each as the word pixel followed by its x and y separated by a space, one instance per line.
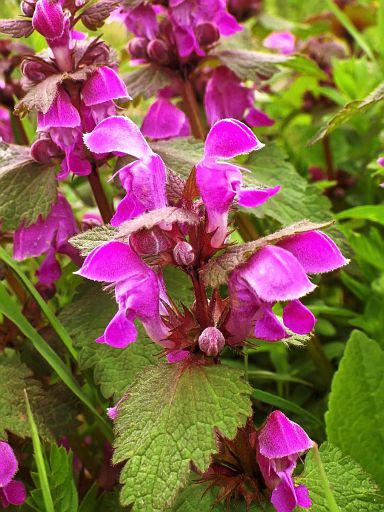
pixel 168 420
pixel 146 81
pixel 180 154
pixel 348 111
pixel 355 419
pixel 92 238
pixel 27 189
pixel 114 369
pixel 349 487
pixel 372 212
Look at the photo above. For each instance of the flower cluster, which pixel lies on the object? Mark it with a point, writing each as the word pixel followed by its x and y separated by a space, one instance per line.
pixel 260 461
pixel 12 492
pixel 78 77
pixel 156 230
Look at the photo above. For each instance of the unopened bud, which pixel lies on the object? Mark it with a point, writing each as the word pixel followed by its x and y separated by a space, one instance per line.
pixel 33 70
pixel 44 149
pixel 207 33
pixel 183 254
pixel 49 19
pixel 137 47
pixel 211 341
pixel 158 51
pixel 28 7
pixel 150 243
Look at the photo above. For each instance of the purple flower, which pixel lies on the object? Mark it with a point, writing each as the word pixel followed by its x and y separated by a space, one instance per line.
pixel 139 292
pixel 226 96
pixel 165 121
pixel 279 273
pixel 279 444
pixel 283 42
pixel 47 236
pixel 143 180
pixel 6 133
pixel 12 492
pixel 220 182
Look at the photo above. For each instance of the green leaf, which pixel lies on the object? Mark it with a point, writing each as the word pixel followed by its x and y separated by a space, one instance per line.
pixel 27 189
pixel 92 238
pixel 178 285
pixel 40 462
pixel 351 487
pixel 54 410
pixel 114 369
pixel 348 111
pixel 355 419
pixel 296 200
pixel 197 497
pixel 169 419
pixel 372 212
pixel 146 81
pixel 59 470
pixel 180 154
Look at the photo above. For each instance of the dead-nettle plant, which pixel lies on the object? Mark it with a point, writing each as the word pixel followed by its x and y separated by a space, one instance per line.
pixel 189 417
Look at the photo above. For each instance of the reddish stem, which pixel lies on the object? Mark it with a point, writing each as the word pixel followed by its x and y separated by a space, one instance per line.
pixel 99 194
pixel 192 109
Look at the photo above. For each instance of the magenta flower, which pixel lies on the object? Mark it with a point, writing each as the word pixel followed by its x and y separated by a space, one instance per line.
pixel 283 42
pixel 220 182
pixel 279 273
pixel 226 96
pixel 279 445
pixel 138 292
pixel 50 237
pixel 165 121
pixel 12 492
pixel 143 180
pixel 6 133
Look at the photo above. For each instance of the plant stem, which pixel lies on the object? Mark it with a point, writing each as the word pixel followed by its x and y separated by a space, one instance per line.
pixel 192 109
pixel 321 361
pixel 201 300
pixel 101 199
pixel 245 227
pixel 18 129
pixel 328 159
pixel 246 372
pixel 332 505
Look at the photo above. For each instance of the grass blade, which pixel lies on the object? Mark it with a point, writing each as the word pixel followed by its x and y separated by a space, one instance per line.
pixel 11 311
pixel 51 317
pixel 282 403
pixel 39 458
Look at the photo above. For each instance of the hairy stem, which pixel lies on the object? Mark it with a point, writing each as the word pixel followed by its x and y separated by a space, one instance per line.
pixel 101 199
pixel 202 310
pixel 192 109
pixel 330 169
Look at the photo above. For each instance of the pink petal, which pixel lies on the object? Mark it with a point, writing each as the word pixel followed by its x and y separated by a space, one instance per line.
pixel 61 114
pixel 252 198
pixel 48 18
pixel 118 134
pixel 298 318
pixel 120 331
pixel 284 42
pixel 274 274
pixel 8 464
pixel 103 85
pixel 267 326
pixel 315 251
pixel 111 262
pixel 49 271
pixel 257 118
pixel 164 121
pixel 281 437
pixel 175 356
pixel 229 138
pixel 286 497
pixel 15 493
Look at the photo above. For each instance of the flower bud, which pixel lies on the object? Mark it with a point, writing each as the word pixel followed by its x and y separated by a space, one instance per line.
pixel 33 70
pixel 137 47
pixel 44 149
pixel 49 19
pixel 211 341
pixel 158 51
pixel 28 7
pixel 150 243
pixel 183 254
pixel 207 33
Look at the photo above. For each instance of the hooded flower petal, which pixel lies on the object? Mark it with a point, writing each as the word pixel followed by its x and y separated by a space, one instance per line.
pixel 165 121
pixel 298 318
pixel 8 464
pixel 111 262
pixel 61 114
pixel 315 251
pixel 280 437
pixel 103 85
pixel 274 274
pixel 286 497
pixel 229 138
pixel 120 332
pixel 118 134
